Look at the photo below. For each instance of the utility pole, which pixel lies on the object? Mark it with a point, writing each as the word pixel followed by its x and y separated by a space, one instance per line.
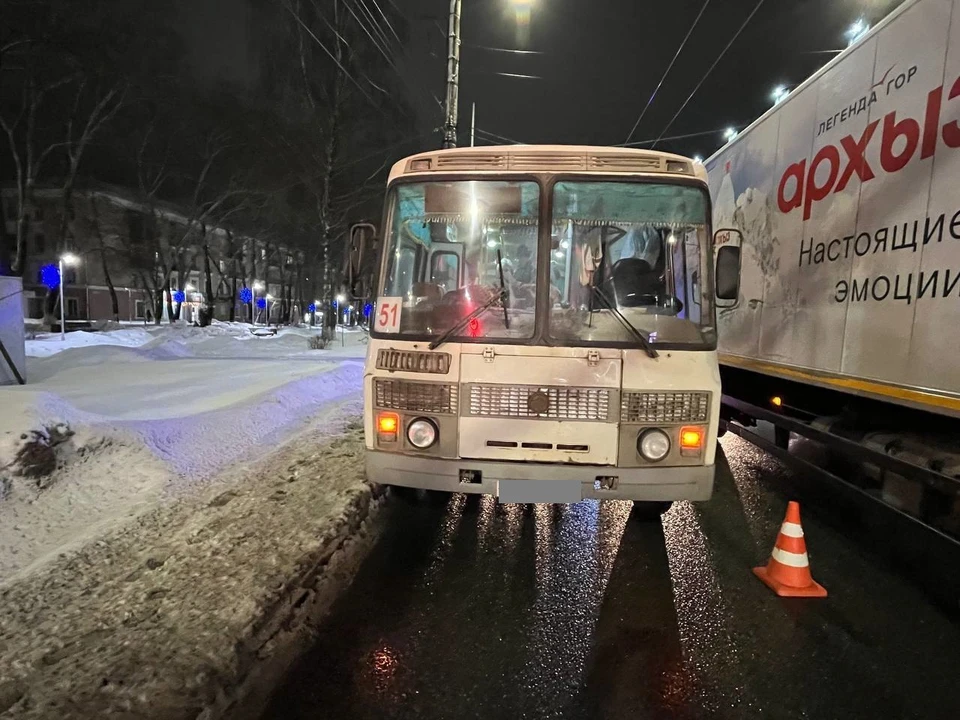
pixel 473 124
pixel 453 76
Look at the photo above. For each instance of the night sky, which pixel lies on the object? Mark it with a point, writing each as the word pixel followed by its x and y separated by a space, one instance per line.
pixel 601 60
pixel 595 65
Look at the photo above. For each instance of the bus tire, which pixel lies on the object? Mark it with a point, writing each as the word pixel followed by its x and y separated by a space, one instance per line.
pixel 649 511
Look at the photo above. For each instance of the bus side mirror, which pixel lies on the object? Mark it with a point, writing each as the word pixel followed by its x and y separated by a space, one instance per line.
pixel 728 263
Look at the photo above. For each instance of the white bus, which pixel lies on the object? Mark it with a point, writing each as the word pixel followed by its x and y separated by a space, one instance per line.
pixel 545 326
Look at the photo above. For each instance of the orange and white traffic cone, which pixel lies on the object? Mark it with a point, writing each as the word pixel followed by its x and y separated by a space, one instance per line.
pixel 788 572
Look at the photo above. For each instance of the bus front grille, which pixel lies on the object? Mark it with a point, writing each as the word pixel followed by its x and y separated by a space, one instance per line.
pixel 664 408
pixel 538 403
pixel 439 398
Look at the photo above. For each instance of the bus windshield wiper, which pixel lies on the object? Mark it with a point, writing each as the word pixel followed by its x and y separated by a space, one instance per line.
pixel 627 325
pixel 457 326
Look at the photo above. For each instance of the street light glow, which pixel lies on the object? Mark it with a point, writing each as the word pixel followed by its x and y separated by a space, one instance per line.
pixel 188 288
pixel 730 134
pixel 70 259
pixel 257 285
pixel 856 31
pixel 779 93
pixel 340 299
pixel 698 159
pixel 269 296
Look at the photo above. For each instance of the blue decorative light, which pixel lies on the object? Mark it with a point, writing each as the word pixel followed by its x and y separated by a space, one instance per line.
pixel 367 310
pixel 180 297
pixel 50 276
pixel 333 304
pixel 261 303
pixel 246 295
pixel 312 307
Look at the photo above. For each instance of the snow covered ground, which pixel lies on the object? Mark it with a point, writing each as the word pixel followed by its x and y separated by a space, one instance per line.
pixel 155 413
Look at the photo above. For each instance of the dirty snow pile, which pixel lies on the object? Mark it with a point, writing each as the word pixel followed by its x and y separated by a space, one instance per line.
pixel 167 496
pixel 170 615
pixel 111 424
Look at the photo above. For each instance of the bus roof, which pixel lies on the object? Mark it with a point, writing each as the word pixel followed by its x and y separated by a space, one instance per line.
pixel 498 159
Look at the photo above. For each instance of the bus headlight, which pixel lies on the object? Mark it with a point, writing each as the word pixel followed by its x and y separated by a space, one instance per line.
pixel 422 433
pixel 653 444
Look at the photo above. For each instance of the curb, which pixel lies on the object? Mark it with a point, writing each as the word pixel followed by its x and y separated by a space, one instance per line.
pixel 285 631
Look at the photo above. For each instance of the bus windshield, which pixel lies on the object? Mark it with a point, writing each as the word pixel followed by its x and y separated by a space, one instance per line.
pixel 453 246
pixel 462 254
pixel 638 247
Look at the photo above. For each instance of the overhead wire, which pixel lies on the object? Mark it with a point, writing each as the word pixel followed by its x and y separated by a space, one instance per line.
pixel 333 57
pixel 709 70
pixel 384 44
pixel 499 137
pixel 667 71
pixel 638 143
pixel 382 36
pixel 385 19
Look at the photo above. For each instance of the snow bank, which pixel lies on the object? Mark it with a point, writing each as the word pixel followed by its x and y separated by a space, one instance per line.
pixel 220 339
pixel 169 615
pixel 46 344
pixel 154 413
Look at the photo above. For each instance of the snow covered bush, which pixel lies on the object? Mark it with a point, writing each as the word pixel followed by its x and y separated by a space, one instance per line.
pixel 316 342
pixel 36 457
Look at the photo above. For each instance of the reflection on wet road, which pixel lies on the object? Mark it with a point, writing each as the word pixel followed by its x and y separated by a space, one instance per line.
pixel 478 610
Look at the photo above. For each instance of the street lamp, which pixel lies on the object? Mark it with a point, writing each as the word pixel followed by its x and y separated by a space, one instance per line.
pixel 257 285
pixel 856 31
pixel 779 93
pixel 730 134
pixel 66 260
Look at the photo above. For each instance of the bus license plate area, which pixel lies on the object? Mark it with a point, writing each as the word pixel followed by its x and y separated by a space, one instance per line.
pixel 539 491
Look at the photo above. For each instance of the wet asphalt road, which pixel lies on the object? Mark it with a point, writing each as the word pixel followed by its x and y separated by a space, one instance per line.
pixel 474 610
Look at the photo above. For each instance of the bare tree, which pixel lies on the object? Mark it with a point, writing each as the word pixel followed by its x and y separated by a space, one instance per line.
pixel 81 126
pixel 27 149
pixel 104 261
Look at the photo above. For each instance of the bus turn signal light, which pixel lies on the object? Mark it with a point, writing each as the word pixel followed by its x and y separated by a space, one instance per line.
pixel 387 426
pixel 691 439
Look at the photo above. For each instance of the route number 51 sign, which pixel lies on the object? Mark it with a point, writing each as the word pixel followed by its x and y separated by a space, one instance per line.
pixel 388 315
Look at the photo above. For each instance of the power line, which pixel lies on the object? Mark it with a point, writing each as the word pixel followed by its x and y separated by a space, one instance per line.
pixel 638 143
pixel 386 19
pixel 384 150
pixel 667 71
pixel 332 57
pixel 709 70
pixel 519 75
pixel 500 137
pixel 504 50
pixel 381 42
pixel 378 41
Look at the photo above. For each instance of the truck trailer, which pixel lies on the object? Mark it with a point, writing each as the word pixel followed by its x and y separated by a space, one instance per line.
pixel 847 324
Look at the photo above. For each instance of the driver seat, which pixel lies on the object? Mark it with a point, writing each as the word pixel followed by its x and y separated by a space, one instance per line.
pixel 635 282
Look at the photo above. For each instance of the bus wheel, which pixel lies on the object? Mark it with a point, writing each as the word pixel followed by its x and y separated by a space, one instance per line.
pixel 649 511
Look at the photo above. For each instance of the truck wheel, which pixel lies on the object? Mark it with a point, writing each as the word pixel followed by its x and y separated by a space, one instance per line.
pixel 649 511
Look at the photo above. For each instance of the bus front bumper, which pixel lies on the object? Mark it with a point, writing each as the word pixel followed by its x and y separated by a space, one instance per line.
pixel 541 482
